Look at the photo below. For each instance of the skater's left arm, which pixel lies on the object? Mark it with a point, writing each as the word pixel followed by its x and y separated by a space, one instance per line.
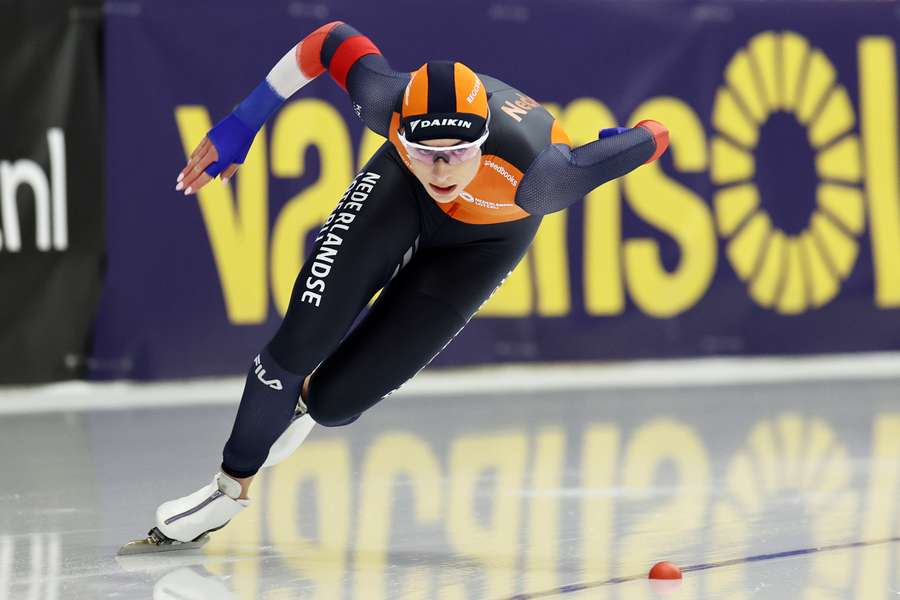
pixel 561 176
pixel 352 60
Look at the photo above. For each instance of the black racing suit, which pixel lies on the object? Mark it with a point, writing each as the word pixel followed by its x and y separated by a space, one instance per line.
pixel 437 263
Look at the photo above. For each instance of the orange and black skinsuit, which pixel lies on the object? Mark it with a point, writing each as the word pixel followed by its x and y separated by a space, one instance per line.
pixel 437 262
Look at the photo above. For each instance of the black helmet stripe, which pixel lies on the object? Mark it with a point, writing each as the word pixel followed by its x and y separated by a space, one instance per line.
pixel 441 87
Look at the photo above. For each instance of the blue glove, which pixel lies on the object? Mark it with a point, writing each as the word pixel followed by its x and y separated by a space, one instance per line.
pixel 611 131
pixel 232 139
pixel 233 135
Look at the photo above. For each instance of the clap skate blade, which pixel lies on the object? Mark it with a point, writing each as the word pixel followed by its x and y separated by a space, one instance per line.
pixel 156 541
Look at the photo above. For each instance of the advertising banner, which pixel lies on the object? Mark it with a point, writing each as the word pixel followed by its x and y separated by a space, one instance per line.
pixel 771 226
pixel 51 196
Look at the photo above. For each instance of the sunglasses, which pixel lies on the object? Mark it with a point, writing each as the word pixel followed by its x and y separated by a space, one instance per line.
pixel 452 154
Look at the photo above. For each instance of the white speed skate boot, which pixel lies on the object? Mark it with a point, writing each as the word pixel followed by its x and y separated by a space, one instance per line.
pixel 184 523
pixel 291 438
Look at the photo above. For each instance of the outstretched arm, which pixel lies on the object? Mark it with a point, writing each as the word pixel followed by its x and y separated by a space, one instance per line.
pixel 351 59
pixel 560 176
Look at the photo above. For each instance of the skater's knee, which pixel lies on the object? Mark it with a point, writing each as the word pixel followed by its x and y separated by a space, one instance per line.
pixel 285 356
pixel 330 416
pixel 295 352
pixel 326 420
pixel 331 403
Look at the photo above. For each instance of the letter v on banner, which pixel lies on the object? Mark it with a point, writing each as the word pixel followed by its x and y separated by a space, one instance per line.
pixel 237 227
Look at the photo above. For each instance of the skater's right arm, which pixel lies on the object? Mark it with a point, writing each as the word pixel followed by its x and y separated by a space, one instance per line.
pixel 351 59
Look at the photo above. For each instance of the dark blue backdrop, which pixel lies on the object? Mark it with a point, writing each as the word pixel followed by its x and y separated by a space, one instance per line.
pixel 650 268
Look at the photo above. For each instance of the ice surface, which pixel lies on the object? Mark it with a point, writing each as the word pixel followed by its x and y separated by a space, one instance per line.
pixel 540 495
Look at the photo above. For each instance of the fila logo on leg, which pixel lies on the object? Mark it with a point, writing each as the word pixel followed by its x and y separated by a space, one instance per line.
pixel 275 384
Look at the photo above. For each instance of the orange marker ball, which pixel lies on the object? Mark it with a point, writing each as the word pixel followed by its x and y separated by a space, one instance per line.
pixel 665 570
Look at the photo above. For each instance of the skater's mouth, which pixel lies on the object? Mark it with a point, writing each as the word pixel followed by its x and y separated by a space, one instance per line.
pixel 443 190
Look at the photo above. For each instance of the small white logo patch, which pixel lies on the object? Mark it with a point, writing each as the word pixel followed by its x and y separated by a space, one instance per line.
pixel 275 384
pixel 471 97
pixel 439 122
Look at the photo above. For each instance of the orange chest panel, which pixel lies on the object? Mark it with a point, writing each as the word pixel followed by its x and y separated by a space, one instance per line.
pixel 490 197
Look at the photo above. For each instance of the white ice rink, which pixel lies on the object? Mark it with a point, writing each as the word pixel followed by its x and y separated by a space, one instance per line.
pixel 775 479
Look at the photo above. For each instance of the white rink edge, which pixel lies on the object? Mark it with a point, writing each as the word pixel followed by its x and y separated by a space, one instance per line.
pixel 491 379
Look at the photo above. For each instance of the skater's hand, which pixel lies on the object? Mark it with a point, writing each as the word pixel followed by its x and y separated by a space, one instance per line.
pixel 193 177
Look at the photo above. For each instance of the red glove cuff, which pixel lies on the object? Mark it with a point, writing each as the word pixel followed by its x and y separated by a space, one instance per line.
pixel 660 136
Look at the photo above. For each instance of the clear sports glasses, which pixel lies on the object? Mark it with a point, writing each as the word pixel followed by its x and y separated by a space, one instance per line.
pixel 452 154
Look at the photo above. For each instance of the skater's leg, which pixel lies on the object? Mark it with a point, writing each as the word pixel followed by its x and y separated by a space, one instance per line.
pixel 371 230
pixel 416 316
pixel 364 241
pixel 247 481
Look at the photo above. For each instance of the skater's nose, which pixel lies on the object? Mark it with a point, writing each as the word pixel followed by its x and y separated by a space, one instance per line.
pixel 441 171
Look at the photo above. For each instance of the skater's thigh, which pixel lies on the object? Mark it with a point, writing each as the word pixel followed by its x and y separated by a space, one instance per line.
pixel 416 316
pixel 357 250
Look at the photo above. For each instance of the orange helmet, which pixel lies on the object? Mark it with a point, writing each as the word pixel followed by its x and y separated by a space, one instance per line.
pixel 444 100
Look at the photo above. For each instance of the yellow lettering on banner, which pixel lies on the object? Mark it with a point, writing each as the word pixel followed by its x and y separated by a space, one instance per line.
pixel 675 210
pixel 393 455
pixel 603 287
pixel 664 442
pixel 878 105
pixel 492 538
pixel 599 458
pixel 237 229
pixel 880 522
pixel 317 551
pixel 298 126
pixel 543 520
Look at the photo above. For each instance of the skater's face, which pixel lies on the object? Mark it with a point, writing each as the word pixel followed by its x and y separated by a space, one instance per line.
pixel 444 181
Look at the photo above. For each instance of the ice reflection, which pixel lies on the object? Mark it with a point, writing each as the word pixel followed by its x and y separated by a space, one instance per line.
pixel 481 515
pixel 191 584
pixel 463 499
pixel 30 566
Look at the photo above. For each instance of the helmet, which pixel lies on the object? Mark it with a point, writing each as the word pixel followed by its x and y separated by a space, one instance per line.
pixel 444 99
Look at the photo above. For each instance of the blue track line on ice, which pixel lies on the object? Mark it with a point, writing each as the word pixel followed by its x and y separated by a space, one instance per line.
pixel 578 587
